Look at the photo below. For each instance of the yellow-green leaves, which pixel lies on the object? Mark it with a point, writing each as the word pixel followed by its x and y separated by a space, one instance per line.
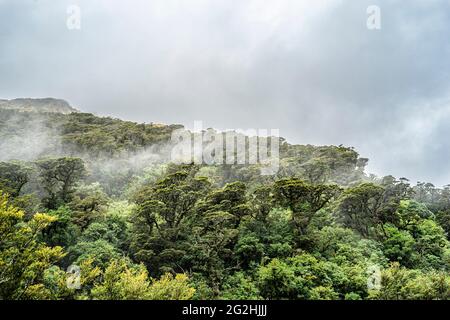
pixel 171 288
pixel 121 281
pixel 23 258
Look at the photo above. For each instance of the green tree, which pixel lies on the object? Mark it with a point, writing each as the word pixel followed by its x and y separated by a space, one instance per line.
pixel 239 287
pixel 59 177
pixel 23 258
pixel 431 245
pixel 170 287
pixel 399 246
pixel 277 280
pixel 88 203
pixel 304 200
pixel 362 209
pixel 162 217
pixel 399 283
pixel 122 281
pixel 100 251
pixel 410 213
pixel 13 176
pixel 215 233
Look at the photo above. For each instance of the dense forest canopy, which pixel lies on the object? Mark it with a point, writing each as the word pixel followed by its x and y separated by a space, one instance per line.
pixel 100 194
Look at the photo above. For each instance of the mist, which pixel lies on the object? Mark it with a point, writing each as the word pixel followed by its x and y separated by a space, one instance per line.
pixel 32 136
pixel 28 142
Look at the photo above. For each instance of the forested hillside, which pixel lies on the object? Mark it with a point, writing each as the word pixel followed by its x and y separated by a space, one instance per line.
pixel 49 105
pixel 100 194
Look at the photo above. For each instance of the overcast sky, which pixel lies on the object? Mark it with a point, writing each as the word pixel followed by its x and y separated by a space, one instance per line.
pixel 310 68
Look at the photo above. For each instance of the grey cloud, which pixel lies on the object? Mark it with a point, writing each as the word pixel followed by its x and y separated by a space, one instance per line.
pixel 310 68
